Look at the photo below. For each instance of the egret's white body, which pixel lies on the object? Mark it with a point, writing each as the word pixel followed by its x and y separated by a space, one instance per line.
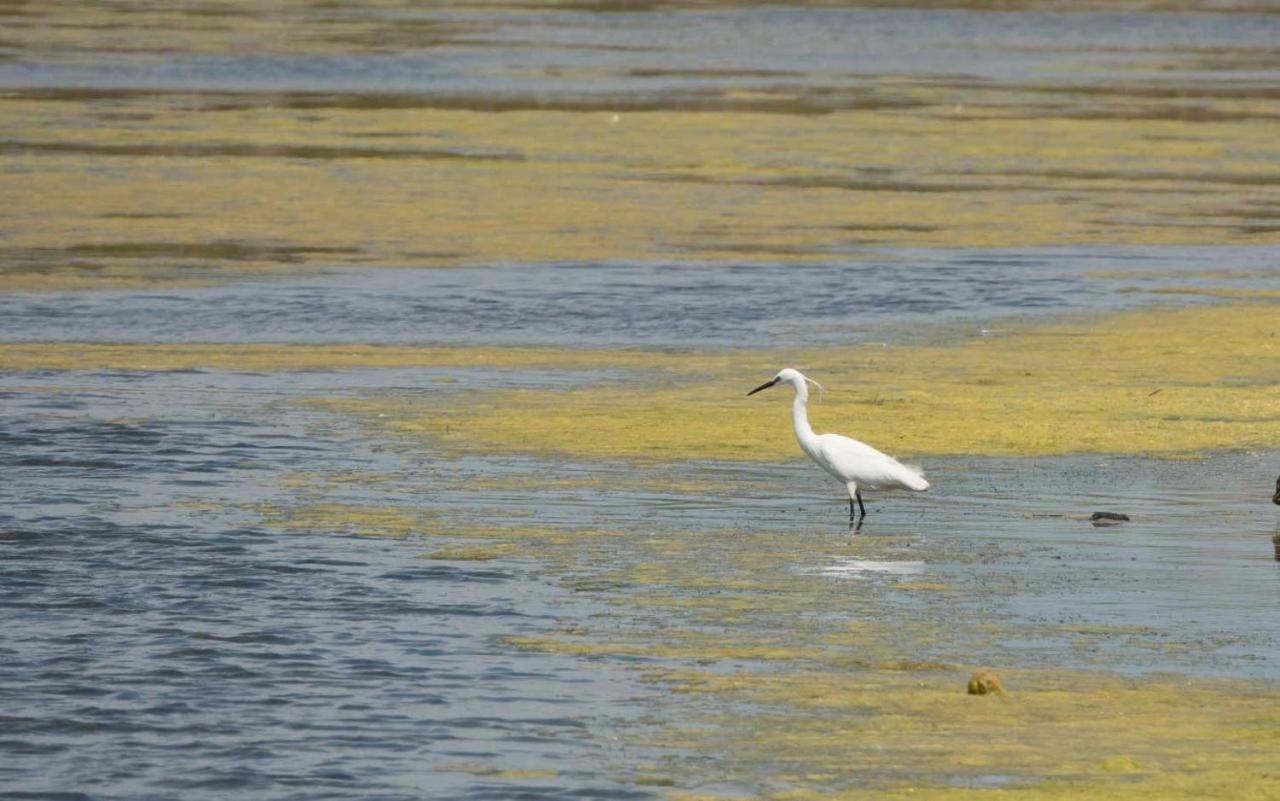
pixel 854 464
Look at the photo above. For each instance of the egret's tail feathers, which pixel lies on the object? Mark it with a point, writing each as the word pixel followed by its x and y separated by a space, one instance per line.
pixel 914 478
pixel 915 483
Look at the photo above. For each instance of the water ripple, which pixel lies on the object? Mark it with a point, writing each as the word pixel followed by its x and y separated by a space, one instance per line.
pixel 157 647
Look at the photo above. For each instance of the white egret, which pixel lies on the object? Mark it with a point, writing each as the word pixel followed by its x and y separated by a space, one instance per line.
pixel 854 464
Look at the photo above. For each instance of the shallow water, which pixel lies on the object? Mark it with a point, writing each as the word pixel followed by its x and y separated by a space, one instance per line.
pixel 893 297
pixel 194 575
pixel 153 620
pixel 220 582
pixel 201 571
pixel 576 55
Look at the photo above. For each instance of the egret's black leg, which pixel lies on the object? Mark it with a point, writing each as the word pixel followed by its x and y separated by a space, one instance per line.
pixel 863 509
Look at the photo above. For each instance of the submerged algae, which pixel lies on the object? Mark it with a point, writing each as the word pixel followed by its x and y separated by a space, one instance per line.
pixel 818 689
pixel 800 684
pixel 358 519
pixel 473 553
pixel 1063 735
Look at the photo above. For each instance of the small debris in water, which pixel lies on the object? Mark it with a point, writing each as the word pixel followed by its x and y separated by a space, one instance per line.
pixel 985 682
pixel 1108 518
pixel 1276 498
pixel 1097 518
pixel 1275 540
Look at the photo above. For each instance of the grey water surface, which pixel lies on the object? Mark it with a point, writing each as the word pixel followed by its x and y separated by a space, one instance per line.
pixel 578 57
pixel 160 641
pixel 895 294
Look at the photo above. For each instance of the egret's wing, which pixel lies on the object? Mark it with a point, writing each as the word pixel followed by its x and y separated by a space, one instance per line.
pixel 858 461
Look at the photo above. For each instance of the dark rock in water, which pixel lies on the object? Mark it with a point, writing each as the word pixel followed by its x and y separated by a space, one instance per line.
pixel 1276 498
pixel 1108 518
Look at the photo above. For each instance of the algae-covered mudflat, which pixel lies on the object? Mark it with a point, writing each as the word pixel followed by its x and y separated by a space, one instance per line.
pixel 144 144
pixel 375 418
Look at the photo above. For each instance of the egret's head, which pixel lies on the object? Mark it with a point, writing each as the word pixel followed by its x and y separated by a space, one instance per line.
pixel 787 375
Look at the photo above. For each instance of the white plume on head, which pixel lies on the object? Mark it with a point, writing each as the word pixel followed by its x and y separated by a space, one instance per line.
pixel 816 384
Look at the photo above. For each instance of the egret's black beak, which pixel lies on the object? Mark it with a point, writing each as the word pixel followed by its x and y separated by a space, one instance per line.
pixel 765 385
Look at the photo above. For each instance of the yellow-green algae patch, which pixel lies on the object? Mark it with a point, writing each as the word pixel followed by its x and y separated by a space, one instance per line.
pixel 472 553
pixel 1232 293
pixel 359 519
pixel 495 772
pixel 1153 381
pixel 70 278
pixel 28 356
pixel 626 481
pixel 316 483
pixel 836 735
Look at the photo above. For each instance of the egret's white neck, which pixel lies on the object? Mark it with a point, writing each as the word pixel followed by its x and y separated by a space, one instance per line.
pixel 800 415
